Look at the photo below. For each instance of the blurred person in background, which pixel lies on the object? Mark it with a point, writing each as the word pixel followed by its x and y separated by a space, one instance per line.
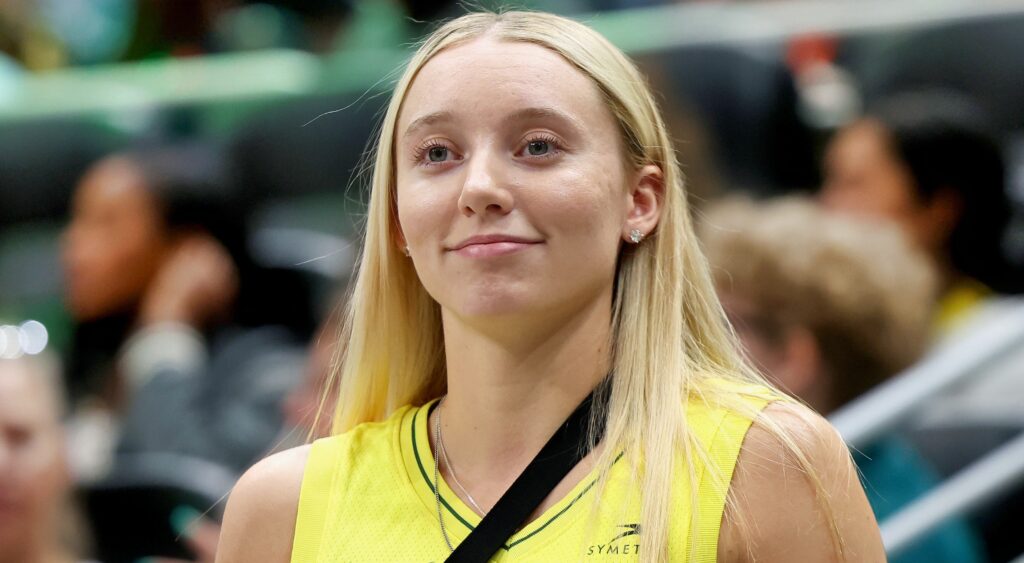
pixel 307 414
pixel 37 520
pixel 137 220
pixel 829 307
pixel 926 161
pixel 157 278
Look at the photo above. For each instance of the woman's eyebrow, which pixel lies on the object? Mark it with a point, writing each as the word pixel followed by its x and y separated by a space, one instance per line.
pixel 546 113
pixel 524 114
pixel 429 119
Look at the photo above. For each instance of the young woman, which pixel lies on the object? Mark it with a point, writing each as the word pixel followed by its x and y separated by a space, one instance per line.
pixel 527 240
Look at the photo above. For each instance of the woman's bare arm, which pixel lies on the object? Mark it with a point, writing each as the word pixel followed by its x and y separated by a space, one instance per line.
pixel 775 514
pixel 259 521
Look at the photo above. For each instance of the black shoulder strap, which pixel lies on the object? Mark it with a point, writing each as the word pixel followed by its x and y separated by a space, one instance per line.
pixel 562 452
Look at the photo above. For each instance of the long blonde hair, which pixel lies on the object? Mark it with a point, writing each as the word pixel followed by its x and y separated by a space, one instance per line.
pixel 669 333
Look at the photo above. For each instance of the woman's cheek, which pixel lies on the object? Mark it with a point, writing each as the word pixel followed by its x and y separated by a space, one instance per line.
pixel 421 211
pixel 584 203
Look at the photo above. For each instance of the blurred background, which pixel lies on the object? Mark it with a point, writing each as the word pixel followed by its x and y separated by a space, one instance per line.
pixel 182 187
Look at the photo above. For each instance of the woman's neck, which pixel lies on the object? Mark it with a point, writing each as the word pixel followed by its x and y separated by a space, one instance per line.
pixel 508 393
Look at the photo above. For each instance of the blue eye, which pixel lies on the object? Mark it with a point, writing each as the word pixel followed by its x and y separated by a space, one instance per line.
pixel 437 154
pixel 538 148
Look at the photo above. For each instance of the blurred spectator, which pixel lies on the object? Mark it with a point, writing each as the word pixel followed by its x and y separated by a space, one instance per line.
pixel 36 516
pixel 158 278
pixel 137 221
pixel 307 413
pixel 830 307
pixel 926 161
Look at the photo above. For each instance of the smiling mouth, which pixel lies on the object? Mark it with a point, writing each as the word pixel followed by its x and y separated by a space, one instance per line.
pixel 492 249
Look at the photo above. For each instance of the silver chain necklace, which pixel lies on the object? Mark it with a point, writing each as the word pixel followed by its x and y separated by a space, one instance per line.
pixel 451 470
pixel 437 490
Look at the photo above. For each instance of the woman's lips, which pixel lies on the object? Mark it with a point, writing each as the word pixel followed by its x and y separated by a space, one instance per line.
pixel 491 249
pixel 493 244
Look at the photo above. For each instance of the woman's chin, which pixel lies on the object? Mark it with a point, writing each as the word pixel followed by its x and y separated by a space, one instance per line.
pixel 486 310
pixel 504 307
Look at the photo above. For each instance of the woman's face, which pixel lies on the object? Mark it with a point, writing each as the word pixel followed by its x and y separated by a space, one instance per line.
pixel 33 471
pixel 864 176
pixel 114 242
pixel 508 140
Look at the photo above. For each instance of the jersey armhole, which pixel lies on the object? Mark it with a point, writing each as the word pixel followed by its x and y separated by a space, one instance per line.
pixel 314 500
pixel 724 452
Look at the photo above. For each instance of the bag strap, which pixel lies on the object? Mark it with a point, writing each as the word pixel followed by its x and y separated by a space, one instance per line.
pixel 563 451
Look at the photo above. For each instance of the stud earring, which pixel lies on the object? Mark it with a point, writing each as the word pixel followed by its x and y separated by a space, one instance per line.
pixel 636 236
pixel 406 251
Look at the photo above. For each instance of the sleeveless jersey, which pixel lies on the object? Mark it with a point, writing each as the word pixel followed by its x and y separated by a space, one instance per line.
pixel 367 495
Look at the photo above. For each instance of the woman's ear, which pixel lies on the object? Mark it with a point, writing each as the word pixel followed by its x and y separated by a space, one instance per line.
pixel 644 203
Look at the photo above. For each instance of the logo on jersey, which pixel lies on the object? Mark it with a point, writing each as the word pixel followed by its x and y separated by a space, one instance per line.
pixel 615 546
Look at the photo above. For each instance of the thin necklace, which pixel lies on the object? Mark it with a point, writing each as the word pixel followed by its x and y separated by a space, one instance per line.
pixel 451 468
pixel 437 490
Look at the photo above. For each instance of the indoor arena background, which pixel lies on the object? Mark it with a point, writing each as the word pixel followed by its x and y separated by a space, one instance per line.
pixel 183 183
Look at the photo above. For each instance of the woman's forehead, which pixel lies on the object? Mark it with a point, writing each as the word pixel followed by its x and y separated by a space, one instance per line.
pixel 488 78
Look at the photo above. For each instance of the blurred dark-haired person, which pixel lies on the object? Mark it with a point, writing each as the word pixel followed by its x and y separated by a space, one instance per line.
pixel 926 161
pixel 158 278
pixel 132 216
pixel 36 519
pixel 307 415
pixel 829 307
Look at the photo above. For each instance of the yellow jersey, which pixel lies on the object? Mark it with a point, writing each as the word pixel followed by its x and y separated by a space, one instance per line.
pixel 368 495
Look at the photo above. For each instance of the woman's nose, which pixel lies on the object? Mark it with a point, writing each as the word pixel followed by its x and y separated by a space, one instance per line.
pixel 484 189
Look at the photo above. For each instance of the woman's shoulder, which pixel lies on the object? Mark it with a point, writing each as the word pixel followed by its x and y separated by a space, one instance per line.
pixel 809 432
pixel 263 510
pixel 785 508
pixel 259 520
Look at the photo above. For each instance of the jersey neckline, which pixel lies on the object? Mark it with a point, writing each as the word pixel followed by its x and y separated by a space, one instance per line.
pixel 460 520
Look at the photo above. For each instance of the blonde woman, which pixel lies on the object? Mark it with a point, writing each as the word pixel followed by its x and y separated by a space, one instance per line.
pixel 527 240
